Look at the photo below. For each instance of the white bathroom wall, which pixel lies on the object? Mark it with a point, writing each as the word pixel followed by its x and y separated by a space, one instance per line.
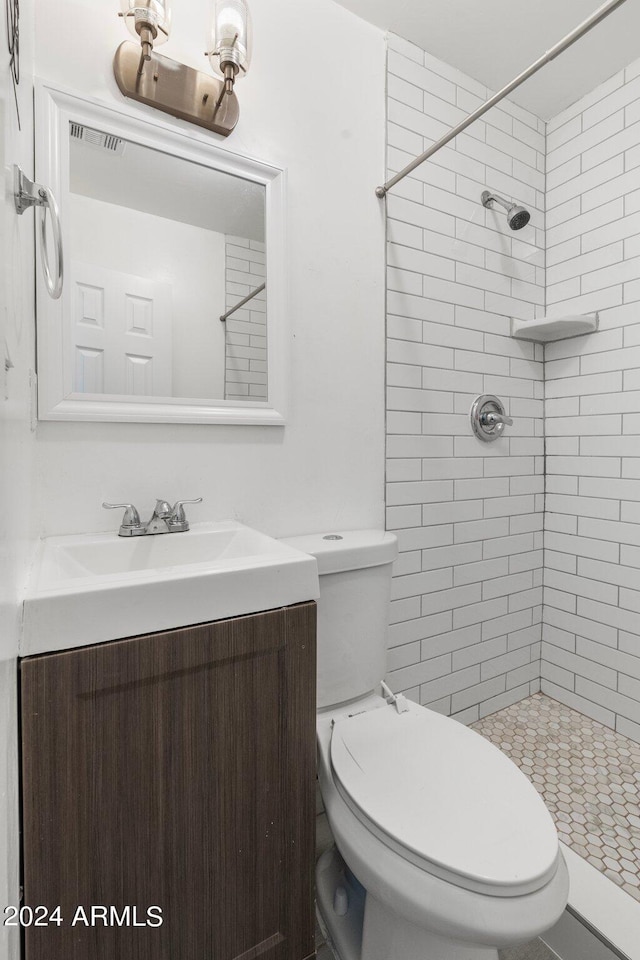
pixel 245 330
pixel 467 591
pixel 591 649
pixel 187 258
pixel 16 443
pixel 324 470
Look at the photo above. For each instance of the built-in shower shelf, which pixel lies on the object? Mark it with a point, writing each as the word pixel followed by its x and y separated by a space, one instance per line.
pixel 547 329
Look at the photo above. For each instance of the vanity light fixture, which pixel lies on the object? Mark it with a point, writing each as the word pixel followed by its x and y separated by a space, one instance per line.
pixel 176 89
pixel 150 20
pixel 230 48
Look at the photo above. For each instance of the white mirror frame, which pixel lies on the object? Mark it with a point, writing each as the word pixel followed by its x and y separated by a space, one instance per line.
pixel 54 109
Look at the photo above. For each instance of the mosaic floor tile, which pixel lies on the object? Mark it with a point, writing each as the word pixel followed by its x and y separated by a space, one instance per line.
pixel 536 950
pixel 588 776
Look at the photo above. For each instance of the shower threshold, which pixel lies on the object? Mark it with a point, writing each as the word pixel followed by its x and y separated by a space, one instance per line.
pixel 589 778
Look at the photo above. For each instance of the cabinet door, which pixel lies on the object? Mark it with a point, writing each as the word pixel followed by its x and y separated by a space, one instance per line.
pixel 174 770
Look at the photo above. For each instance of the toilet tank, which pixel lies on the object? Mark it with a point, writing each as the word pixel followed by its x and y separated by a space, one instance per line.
pixel 353 610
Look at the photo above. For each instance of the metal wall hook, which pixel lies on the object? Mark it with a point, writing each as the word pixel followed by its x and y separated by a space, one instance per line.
pixel 29 194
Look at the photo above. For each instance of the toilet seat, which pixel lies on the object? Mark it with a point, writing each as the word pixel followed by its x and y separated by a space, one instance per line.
pixel 445 799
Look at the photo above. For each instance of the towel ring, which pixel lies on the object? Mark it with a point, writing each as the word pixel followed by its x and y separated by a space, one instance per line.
pixel 29 194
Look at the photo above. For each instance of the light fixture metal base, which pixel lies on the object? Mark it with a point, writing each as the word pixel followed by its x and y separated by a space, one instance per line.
pixel 175 89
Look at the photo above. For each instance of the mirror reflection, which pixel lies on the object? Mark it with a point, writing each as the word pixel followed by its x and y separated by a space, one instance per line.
pixel 160 249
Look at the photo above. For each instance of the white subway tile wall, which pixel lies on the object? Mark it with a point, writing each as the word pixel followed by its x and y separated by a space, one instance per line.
pixel 591 633
pixel 465 636
pixel 246 333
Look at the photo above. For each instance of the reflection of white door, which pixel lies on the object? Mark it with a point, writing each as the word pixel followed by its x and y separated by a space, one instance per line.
pixel 120 333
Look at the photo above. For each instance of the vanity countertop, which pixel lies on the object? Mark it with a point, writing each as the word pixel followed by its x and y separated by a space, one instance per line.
pixel 93 588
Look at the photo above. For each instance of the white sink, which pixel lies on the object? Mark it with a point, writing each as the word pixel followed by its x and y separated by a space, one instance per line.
pixel 92 588
pixel 220 544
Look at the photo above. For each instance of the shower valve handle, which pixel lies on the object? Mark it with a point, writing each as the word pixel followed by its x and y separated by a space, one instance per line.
pixel 490 419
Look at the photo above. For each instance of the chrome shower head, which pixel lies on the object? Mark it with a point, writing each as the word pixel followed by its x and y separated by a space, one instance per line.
pixel 517 217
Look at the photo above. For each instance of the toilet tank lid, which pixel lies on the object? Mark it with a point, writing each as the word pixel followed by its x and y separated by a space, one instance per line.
pixel 341 550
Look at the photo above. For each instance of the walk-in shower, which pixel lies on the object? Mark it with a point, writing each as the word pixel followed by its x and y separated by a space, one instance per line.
pixel 517 217
pixel 516 605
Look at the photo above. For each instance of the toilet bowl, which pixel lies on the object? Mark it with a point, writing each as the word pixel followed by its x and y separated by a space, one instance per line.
pixel 444 849
pixel 475 873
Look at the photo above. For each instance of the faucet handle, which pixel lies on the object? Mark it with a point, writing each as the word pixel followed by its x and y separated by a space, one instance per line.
pixel 491 418
pixel 177 513
pixel 131 516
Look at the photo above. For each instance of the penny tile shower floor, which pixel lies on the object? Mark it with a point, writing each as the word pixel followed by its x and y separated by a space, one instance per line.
pixel 588 775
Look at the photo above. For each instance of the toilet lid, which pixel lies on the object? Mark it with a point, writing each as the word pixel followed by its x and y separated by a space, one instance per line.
pixel 446 797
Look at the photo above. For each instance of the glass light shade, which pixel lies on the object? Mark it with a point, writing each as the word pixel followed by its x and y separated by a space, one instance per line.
pixel 155 14
pixel 230 37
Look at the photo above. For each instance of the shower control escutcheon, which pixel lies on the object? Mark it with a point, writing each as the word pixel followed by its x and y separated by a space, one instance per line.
pixel 488 418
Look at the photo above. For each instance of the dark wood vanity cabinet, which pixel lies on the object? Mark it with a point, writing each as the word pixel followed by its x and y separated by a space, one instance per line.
pixel 175 771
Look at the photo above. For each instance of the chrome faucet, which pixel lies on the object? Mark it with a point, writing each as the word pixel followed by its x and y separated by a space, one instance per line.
pixel 164 519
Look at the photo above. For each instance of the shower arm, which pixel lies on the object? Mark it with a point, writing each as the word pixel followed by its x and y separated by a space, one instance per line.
pixel 551 54
pixel 488 197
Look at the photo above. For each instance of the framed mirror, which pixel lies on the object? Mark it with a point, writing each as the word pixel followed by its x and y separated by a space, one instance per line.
pixel 173 305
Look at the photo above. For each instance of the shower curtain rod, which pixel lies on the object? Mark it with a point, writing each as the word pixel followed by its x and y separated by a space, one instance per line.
pixel 559 47
pixel 250 296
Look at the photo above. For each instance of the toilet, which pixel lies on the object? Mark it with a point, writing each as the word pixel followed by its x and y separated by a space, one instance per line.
pixel 444 850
